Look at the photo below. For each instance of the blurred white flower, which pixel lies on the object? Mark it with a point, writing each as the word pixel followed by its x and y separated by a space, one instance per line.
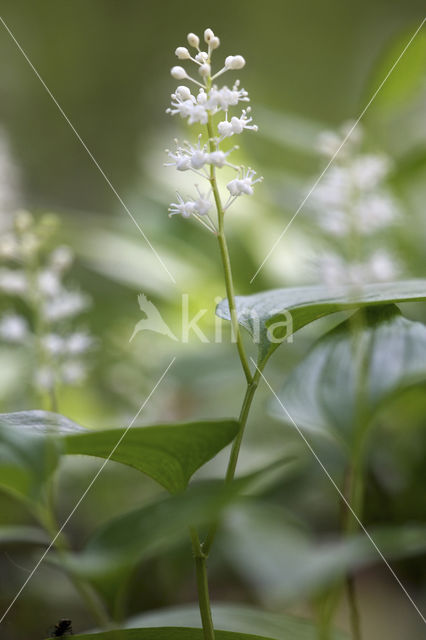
pixel 53 343
pixel 13 328
pixel 13 281
pixel 65 305
pixel 73 372
pixel 78 343
pixel 49 283
pixel 61 258
pixel 45 378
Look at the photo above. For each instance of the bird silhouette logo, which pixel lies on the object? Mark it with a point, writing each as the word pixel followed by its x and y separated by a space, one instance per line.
pixel 153 320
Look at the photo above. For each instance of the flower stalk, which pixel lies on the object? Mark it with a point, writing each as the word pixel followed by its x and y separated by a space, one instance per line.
pixel 204 159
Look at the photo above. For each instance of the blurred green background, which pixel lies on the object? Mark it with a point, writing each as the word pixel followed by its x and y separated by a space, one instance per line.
pixel 310 65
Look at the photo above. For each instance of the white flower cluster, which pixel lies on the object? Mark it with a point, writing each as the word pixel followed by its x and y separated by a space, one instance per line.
pixel 34 272
pixel 351 203
pixel 205 108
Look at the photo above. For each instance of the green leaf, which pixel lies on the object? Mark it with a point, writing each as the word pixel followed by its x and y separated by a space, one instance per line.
pixel 328 375
pixel 293 308
pixel 144 532
pixel 240 618
pixel 400 87
pixel 168 633
pixel 11 535
pixel 168 453
pixel 26 460
pixel 283 563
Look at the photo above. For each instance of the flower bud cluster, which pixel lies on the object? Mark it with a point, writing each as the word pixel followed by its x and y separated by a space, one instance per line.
pixel 208 105
pixel 352 203
pixel 33 271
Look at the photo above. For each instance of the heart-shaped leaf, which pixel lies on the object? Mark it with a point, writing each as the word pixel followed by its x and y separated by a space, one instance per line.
pixel 281 562
pixel 237 618
pixel 26 460
pixel 328 375
pixel 116 547
pixel 119 545
pixel 168 453
pixel 272 316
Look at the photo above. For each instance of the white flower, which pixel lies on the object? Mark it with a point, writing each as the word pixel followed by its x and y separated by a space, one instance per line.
pixel 65 305
pixel 374 211
pixel 187 106
pixel 49 282
pixel 9 247
pixel 53 343
pixel 236 125
pixel 202 203
pixel 13 328
pixel 189 156
pixel 178 73
pixel 193 40
pixel 73 372
pixel 383 266
pixel 368 171
pixel 201 57
pixel 185 209
pixel 45 378
pixel 335 271
pixel 78 342
pixel 205 70
pixel 200 206
pixel 208 35
pixel 235 62
pixel 13 281
pixel 219 158
pixel 182 53
pixel 244 184
pixel 61 258
pixel 224 98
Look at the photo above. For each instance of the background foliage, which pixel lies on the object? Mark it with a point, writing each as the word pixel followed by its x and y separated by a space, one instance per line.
pixel 310 66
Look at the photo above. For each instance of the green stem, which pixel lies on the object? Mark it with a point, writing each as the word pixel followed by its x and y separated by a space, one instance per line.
pixel 226 262
pixel 354 615
pixel 202 586
pixel 236 446
pixel 201 551
pixel 87 593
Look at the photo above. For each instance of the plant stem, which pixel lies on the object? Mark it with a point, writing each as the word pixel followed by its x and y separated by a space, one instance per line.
pixel 236 445
pixel 355 489
pixel 202 586
pixel 201 551
pixel 86 591
pixel 353 608
pixel 226 262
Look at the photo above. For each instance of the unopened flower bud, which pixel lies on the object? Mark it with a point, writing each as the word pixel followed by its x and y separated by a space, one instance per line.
pixel 214 42
pixel 208 35
pixel 202 57
pixel 204 70
pixel 178 73
pixel 182 53
pixel 184 93
pixel 193 40
pixel 235 62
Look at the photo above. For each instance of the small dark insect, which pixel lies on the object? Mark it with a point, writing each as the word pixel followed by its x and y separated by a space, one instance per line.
pixel 63 628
